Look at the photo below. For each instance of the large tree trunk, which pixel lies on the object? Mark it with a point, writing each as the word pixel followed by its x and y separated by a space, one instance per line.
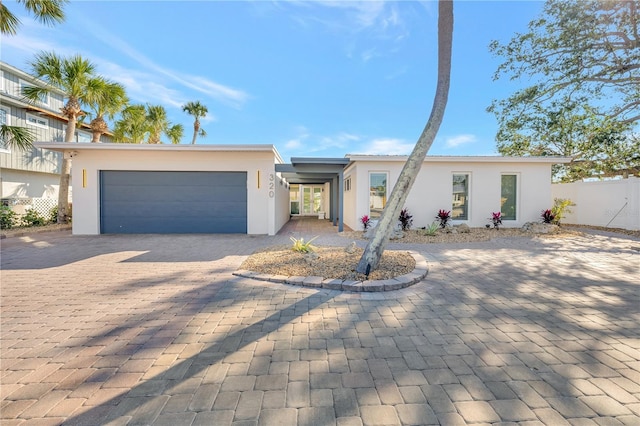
pixel 63 191
pixel 71 110
pixel 373 252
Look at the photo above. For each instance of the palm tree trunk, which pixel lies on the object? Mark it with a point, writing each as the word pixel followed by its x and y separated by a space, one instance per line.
pixel 196 127
pixel 375 247
pixel 63 191
pixel 65 173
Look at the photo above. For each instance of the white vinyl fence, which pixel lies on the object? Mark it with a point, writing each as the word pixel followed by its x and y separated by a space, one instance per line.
pixel 612 203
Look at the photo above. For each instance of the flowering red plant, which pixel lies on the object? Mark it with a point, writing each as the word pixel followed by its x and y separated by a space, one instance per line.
pixel 547 216
pixel 366 221
pixel 496 218
pixel 443 216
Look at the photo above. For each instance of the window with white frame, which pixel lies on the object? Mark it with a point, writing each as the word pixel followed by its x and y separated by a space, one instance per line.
pixel 377 193
pixel 37 121
pixel 509 196
pixel 43 99
pixel 347 184
pixel 460 201
pixel 80 136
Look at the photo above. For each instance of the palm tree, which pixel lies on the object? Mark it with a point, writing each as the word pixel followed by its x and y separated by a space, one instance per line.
pixel 132 126
pixel 104 97
pixel 46 11
pixel 14 137
pixel 197 110
pixel 157 122
pixel 375 247
pixel 175 133
pixel 71 75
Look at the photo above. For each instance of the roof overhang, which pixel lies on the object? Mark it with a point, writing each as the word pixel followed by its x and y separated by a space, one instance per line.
pixel 127 147
pixel 312 170
pixel 551 159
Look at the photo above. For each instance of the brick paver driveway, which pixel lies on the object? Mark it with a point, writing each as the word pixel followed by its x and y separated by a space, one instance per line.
pixel 156 330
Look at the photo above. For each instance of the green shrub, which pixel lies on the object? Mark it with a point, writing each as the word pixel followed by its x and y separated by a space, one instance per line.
pixel 301 246
pixel 53 214
pixel 33 218
pixel 432 229
pixel 560 209
pixel 7 217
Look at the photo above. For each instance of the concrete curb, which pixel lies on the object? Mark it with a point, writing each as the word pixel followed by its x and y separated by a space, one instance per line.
pixel 403 281
pixel 33 230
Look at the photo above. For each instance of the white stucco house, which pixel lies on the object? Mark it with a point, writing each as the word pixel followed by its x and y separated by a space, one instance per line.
pixel 141 188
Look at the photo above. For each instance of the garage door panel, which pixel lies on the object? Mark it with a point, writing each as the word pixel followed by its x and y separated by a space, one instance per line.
pixel 155 225
pixel 173 202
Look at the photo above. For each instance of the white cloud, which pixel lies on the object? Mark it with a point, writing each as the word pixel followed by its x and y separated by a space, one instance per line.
pixel 339 141
pixel 458 140
pixel 225 94
pixel 387 146
pixel 293 144
pixel 363 22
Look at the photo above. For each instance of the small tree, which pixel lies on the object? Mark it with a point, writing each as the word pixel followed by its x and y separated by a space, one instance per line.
pixel 197 110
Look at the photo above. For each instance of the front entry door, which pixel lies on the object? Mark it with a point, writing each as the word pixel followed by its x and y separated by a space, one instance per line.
pixel 312 199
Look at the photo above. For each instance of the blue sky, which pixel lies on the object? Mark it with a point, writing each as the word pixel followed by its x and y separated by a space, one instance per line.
pixel 314 78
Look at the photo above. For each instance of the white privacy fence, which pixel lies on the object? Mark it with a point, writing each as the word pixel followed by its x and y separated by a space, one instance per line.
pixel 612 203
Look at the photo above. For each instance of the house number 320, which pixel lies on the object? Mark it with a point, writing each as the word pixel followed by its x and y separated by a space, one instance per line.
pixel 272 185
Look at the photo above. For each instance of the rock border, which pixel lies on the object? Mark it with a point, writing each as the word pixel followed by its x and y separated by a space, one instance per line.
pixel 402 281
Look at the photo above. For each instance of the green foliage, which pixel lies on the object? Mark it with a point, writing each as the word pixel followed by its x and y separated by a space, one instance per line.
pixel 33 218
pixel 15 137
pixel 7 217
pixel 301 246
pixel 432 229
pixel 197 110
pixel 581 61
pixel 53 215
pixel 132 126
pixel 48 12
pixel 175 133
pixel 560 209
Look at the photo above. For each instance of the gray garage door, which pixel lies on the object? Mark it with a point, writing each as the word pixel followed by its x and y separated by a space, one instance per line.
pixel 137 202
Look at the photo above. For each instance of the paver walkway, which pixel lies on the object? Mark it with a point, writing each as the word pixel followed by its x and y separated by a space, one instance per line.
pixel 156 330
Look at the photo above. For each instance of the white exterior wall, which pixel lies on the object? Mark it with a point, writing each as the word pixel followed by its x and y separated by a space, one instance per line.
pixel 28 184
pixel 351 219
pixel 86 199
pixel 613 203
pixel 432 189
pixel 281 204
